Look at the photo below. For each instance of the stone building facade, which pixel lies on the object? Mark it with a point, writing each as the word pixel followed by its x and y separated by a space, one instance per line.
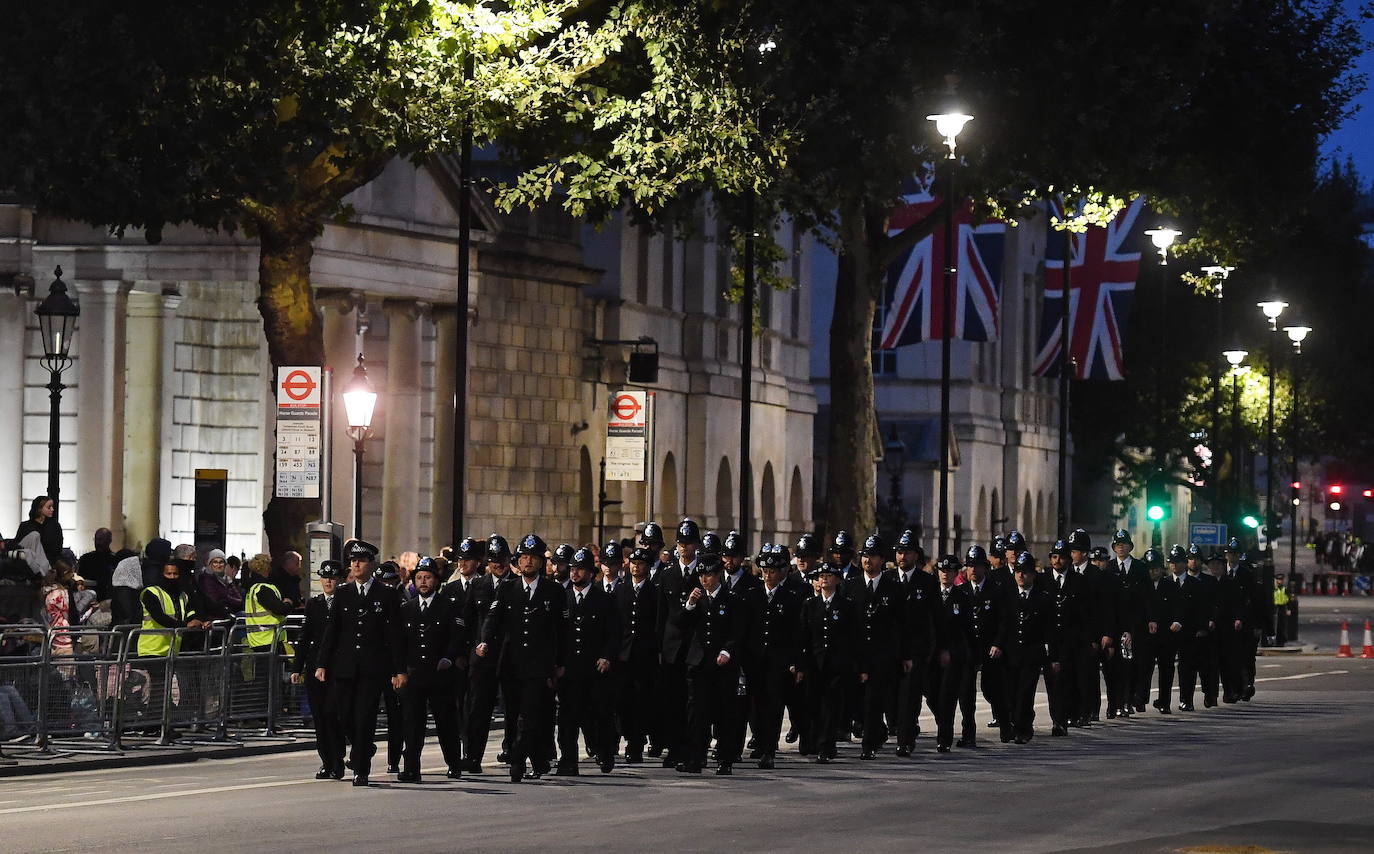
pixel 171 374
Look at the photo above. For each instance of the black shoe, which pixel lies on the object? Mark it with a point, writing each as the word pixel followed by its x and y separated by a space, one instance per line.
pixel 1209 702
pixel 1249 693
pixel 1006 738
pixel 1059 730
pixel 669 761
pixel 608 766
pixel 942 748
pixel 822 759
pixel 1097 717
pixel 1140 707
pixel 1230 698
pixel 472 766
pixel 359 779
pixel 454 774
pixel 766 762
pixel 408 777
pixel 994 724
pixel 1021 739
pixel 1124 713
pixel 966 742
pixel 1185 707
pixel 792 736
pixel 503 757
pixel 756 753
pixel 517 772
pixel 348 763
pixel 752 743
pixel 1111 714
pixel 324 774
pixel 868 754
pixel 904 751
pixel 337 773
pixel 634 758
pixel 725 770
pixel 393 768
pixel 654 751
pixel 689 768
pixel 565 771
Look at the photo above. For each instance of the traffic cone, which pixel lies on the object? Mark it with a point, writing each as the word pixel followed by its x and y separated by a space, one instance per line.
pixel 1368 651
pixel 1344 651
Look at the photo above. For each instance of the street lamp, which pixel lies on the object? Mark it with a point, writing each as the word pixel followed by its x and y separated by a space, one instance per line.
pixel 1163 237
pixel 894 459
pixel 1272 308
pixel 948 124
pixel 57 316
pixel 1297 333
pixel 1217 274
pixel 1234 357
pixel 360 400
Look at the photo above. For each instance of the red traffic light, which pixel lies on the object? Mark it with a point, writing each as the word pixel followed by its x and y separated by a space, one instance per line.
pixel 1297 484
pixel 1369 493
pixel 1335 489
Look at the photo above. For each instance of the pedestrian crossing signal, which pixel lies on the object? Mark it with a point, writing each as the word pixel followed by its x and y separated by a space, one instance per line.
pixel 1157 498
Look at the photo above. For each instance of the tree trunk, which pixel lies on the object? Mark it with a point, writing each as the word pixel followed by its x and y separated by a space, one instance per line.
pixel 295 336
pixel 851 487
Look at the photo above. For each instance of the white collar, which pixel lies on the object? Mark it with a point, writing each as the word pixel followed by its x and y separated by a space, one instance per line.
pixel 531 584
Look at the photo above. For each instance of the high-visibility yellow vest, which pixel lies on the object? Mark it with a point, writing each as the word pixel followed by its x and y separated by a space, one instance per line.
pixel 262 624
pixel 1280 596
pixel 155 639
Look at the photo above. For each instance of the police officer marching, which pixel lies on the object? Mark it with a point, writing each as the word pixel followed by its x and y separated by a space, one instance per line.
pixel 829 649
pixel 591 644
pixel 329 737
pixel 436 644
pixel 773 648
pixel 1023 637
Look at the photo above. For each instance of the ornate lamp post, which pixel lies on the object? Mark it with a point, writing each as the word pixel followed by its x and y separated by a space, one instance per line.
pixel 1272 308
pixel 360 400
pixel 1218 274
pixel 1297 333
pixel 57 316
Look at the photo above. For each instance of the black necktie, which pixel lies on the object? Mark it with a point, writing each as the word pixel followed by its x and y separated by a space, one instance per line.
pixel 580 594
pixel 423 606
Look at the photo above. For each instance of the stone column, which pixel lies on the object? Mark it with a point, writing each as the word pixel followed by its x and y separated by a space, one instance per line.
pixel 441 531
pixel 147 411
pixel 14 314
pixel 341 347
pixel 401 410
pixel 100 408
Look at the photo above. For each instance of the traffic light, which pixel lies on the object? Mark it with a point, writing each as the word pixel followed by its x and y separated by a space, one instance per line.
pixel 1335 489
pixel 1157 499
pixel 1250 521
pixel 1369 493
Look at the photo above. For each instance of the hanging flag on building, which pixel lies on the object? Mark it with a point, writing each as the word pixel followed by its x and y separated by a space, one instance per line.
pixel 1104 266
pixel 915 310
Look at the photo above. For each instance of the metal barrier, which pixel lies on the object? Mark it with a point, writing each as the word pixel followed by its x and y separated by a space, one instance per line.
pixel 82 688
pixel 20 669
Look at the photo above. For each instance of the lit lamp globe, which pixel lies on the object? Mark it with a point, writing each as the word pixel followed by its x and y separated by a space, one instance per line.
pixel 1235 356
pixel 1163 237
pixel 1297 334
pixel 948 125
pixel 360 400
pixel 1272 308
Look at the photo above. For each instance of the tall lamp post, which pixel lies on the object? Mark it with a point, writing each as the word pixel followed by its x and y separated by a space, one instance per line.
pixel 57 316
pixel 1162 236
pixel 1297 333
pixel 948 124
pixel 360 400
pixel 1272 308
pixel 1218 274
pixel 1235 357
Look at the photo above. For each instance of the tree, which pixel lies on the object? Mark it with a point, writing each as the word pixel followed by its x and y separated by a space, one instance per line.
pixel 264 116
pixel 1184 103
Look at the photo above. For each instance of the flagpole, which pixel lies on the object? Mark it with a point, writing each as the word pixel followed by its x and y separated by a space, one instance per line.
pixel 1065 364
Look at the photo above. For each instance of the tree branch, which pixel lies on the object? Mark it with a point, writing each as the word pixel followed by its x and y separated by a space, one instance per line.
pixel 894 246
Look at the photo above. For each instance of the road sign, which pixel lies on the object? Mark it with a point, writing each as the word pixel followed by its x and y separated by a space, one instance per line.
pixel 299 432
pixel 627 432
pixel 1207 534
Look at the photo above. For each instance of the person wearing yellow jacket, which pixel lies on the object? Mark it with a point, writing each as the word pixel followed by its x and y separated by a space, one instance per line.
pixel 165 606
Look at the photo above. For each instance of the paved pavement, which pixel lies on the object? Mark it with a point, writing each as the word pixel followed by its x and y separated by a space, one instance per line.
pixel 1289 772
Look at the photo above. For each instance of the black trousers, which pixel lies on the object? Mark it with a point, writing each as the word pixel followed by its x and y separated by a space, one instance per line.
pixel 1194 654
pixel 877 693
pixel 355 699
pixel 419 699
pixel 1018 690
pixel 636 704
pixel 481 702
pixel 1063 687
pixel 796 715
pixel 585 704
pixel 946 681
pixel 712 703
pixel 1115 674
pixel 1090 681
pixel 527 706
pixel 395 725
pixel 825 696
pixel 1233 647
pixel 768 696
pixel 329 740
pixel 993 688
pixel 1140 669
pixel 672 704
pixel 911 690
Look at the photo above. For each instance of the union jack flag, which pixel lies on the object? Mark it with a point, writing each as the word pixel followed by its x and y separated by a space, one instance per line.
pixel 916 281
pixel 1102 275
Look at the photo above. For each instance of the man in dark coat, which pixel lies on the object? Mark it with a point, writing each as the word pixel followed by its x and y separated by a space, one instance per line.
pixel 591 643
pixel 830 656
pixel 953 649
pixel 329 734
pixel 1068 599
pixel 526 622
pixel 920 588
pixel 675 583
pixel 361 652
pixel 436 645
pixel 773 651
pixel 1023 640
pixel 986 597
pixel 483 679
pixel 880 601
pixel 636 659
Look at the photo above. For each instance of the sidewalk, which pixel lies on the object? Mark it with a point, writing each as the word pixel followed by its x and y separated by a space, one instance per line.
pixel 19 759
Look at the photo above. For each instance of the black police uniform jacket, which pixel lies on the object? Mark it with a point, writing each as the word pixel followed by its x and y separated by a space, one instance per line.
pixel 1233 601
pixel 713 626
pixel 481 594
pixel 638 617
pixel 985 610
pixel 1163 608
pixel 312 635
pixel 830 635
pixel 952 616
pixel 363 638
pixel 1023 629
pixel 590 632
pixel 773 640
pixel 882 622
pixel 1068 607
pixel 436 633
pixel 674 583
pixel 1105 590
pixel 1197 603
pixel 530 628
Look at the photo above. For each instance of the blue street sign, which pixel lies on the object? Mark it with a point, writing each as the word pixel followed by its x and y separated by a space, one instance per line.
pixel 1207 535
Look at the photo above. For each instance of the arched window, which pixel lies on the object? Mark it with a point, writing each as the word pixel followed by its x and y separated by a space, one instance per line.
pixel 667 492
pixel 768 506
pixel 725 496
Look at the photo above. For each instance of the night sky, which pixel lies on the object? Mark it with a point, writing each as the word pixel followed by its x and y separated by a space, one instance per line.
pixel 1355 138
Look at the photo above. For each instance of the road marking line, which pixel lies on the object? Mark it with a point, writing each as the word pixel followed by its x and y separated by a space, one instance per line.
pixel 154 797
pixel 1303 675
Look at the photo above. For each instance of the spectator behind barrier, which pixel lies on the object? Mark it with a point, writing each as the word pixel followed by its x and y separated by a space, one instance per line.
pixel 220 597
pixel 41 520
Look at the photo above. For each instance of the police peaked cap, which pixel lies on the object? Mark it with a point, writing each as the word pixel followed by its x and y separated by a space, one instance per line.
pixel 1099 553
pixel 361 550
pixel 948 563
pixel 387 571
pixel 643 554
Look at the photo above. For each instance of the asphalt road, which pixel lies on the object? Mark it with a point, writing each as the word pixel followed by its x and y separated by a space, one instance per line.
pixel 1289 771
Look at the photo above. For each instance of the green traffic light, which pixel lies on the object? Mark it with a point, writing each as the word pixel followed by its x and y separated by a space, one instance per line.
pixel 1155 513
pixel 1250 522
